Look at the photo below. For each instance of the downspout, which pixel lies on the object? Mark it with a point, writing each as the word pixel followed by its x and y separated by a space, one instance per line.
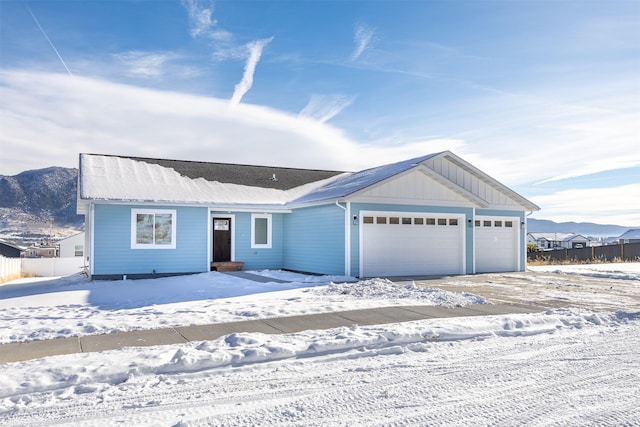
pixel 473 239
pixel 89 238
pixel 347 237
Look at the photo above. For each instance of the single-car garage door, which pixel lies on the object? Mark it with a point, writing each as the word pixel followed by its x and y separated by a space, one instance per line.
pixel 402 244
pixel 496 244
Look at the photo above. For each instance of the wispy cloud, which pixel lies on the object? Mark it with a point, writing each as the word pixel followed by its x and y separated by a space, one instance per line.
pixel 324 107
pixel 199 17
pixel 613 205
pixel 255 52
pixel 144 64
pixel 88 115
pixel 362 36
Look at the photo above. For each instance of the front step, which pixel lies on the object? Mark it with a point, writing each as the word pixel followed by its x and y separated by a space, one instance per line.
pixel 227 266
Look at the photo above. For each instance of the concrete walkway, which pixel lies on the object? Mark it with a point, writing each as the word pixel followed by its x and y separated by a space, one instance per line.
pixel 16 352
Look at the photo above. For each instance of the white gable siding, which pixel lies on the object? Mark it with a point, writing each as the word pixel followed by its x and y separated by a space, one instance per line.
pixel 472 183
pixel 413 188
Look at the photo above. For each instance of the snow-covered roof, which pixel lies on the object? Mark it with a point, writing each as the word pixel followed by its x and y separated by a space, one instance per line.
pixel 557 237
pixel 349 184
pixel 113 178
pixel 633 233
pixel 127 179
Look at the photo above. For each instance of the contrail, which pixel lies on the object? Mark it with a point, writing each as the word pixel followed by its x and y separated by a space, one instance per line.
pixel 46 37
pixel 255 51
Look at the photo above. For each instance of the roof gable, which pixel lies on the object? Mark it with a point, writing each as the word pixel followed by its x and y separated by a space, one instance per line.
pixel 357 181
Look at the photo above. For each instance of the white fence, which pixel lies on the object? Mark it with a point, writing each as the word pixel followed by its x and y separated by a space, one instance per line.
pixel 9 267
pixel 52 267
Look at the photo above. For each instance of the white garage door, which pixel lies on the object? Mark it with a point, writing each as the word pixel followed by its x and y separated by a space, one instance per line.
pixel 402 244
pixel 496 244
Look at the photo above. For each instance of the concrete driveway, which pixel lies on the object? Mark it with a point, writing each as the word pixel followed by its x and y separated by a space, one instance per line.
pixel 551 290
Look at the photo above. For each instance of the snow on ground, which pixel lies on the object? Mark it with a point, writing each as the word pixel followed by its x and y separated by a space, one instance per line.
pixel 558 367
pixel 74 306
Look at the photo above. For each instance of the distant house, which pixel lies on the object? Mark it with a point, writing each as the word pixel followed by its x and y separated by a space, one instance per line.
pixel 431 215
pixel 41 251
pixel 72 246
pixel 629 236
pixel 9 250
pixel 551 241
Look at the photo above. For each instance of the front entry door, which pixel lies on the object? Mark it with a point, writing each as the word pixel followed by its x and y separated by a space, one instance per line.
pixel 221 239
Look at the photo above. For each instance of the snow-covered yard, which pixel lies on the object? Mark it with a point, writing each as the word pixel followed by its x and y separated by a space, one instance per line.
pixel 565 366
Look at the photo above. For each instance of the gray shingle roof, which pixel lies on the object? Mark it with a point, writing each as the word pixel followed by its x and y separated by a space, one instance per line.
pixel 256 176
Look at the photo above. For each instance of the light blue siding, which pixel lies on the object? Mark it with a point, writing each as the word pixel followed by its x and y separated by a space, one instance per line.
pixel 112 251
pixel 355 238
pixel 257 258
pixel 314 240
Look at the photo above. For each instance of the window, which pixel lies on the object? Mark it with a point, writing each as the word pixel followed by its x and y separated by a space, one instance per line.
pixel 153 229
pixel 78 250
pixel 477 222
pixel 418 221
pixel 486 223
pixel 368 220
pixel 394 220
pixel 381 220
pixel 406 220
pixel 442 221
pixel 260 230
pixel 508 223
pixel 431 221
pixel 497 223
pixel 453 221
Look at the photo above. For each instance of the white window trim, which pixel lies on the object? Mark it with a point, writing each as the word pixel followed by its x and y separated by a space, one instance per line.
pixel 253 231
pixel 135 212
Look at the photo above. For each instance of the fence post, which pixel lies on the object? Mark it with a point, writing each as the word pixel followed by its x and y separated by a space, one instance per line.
pixel 622 251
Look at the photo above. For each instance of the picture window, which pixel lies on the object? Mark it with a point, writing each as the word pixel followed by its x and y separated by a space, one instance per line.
pixel 153 229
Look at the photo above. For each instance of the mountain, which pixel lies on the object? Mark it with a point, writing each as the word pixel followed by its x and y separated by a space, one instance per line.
pixel 587 229
pixel 39 205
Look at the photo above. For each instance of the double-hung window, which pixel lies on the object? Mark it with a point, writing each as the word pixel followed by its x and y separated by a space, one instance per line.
pixel 261 231
pixel 153 229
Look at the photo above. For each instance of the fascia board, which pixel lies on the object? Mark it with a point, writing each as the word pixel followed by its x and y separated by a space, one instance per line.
pixel 213 207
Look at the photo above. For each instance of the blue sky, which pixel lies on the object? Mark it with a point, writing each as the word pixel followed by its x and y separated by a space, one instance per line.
pixel 542 95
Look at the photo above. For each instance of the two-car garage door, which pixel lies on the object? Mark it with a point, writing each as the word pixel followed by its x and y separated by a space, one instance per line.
pixel 404 244
pixel 401 244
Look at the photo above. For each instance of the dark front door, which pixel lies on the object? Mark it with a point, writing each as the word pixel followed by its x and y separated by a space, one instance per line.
pixel 221 239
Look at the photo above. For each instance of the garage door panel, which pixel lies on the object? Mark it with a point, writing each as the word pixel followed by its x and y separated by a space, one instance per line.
pixel 413 248
pixel 496 244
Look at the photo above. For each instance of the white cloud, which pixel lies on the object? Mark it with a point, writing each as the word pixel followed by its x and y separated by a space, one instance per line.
pixel 255 52
pixel 199 17
pixel 617 205
pixel 324 107
pixel 362 36
pixel 49 118
pixel 144 64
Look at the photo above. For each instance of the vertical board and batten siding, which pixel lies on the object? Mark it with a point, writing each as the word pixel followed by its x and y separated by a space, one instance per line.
pixel 256 258
pixel 470 182
pixel 314 240
pixel 358 208
pixel 112 250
